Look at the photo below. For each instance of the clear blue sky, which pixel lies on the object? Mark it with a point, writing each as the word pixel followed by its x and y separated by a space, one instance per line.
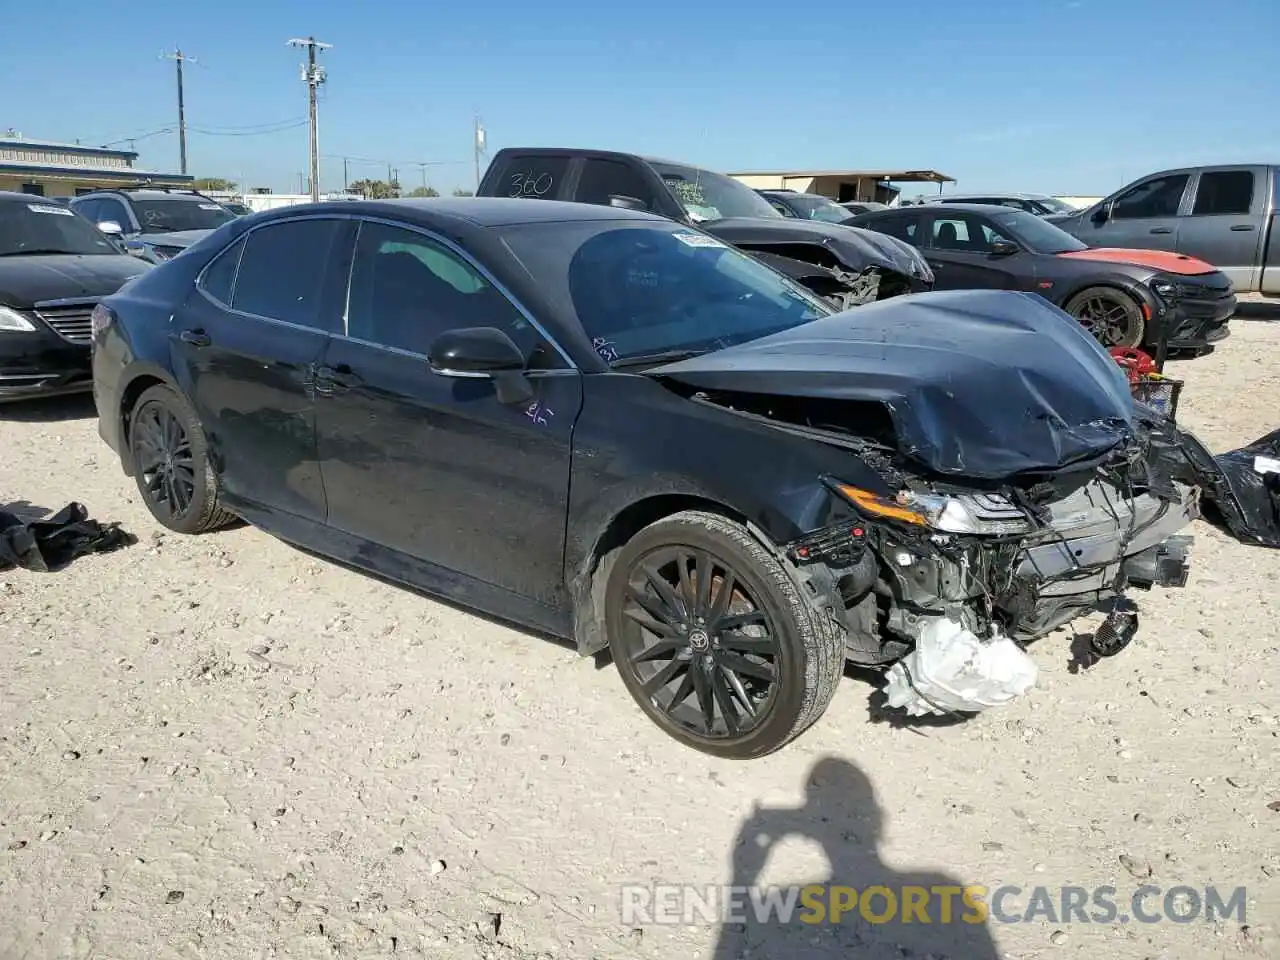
pixel 1059 96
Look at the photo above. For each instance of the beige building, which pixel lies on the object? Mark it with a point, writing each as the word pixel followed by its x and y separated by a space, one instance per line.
pixel 67 169
pixel 842 185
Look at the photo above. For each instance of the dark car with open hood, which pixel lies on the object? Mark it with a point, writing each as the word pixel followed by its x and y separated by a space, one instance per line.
pixel 615 428
pixel 849 267
pixel 54 266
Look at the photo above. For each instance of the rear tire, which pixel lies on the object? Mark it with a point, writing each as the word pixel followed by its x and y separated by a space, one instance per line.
pixel 171 463
pixel 713 639
pixel 1113 317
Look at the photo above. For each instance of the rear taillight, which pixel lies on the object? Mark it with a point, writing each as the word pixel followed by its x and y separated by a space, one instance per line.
pixel 100 319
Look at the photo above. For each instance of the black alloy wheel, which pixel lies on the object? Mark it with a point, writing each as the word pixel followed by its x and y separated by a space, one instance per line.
pixel 170 463
pixel 1112 316
pixel 713 639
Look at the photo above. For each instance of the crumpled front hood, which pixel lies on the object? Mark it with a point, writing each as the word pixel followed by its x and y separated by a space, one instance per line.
pixel 25 281
pixel 856 247
pixel 978 383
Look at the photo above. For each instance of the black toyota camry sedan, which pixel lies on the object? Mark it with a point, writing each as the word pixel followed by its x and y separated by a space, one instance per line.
pixel 613 427
pixel 54 266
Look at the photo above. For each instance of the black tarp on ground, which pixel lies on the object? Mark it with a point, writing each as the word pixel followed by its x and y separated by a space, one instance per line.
pixel 50 544
pixel 1245 490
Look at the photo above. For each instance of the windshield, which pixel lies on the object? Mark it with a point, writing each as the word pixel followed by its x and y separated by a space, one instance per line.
pixel 639 290
pixel 713 196
pixel 1038 235
pixel 1054 205
pixel 173 214
pixel 50 228
pixel 818 208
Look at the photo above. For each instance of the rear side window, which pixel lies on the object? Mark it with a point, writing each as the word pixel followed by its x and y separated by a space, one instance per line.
pixel 220 276
pixel 1224 192
pixel 1154 198
pixel 282 271
pixel 904 228
pixel 602 180
pixel 536 177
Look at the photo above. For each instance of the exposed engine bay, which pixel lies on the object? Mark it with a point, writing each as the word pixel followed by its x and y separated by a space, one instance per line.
pixel 1006 491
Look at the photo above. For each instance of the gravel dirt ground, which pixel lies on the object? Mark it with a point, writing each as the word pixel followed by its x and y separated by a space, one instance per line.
pixel 222 747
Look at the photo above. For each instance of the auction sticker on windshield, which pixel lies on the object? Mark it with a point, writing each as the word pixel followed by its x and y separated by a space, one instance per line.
pixel 697 240
pixel 41 208
pixel 209 206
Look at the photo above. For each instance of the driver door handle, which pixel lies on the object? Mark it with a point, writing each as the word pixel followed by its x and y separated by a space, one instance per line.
pixel 1162 230
pixel 197 338
pixel 1241 227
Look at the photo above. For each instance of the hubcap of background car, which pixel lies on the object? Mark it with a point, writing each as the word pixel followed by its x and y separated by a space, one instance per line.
pixel 703 650
pixel 1107 318
pixel 162 454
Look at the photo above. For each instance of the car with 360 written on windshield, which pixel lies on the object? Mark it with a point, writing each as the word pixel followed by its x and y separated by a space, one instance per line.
pixel 848 267
pixel 54 267
pixel 1125 298
pixel 618 429
pixel 154 224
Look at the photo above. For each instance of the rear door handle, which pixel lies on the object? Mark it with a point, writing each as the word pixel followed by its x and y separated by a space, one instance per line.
pixel 1242 227
pixel 197 338
pixel 1162 230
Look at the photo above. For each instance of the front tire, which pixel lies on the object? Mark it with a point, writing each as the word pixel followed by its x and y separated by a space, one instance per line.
pixel 171 463
pixel 1112 316
pixel 714 640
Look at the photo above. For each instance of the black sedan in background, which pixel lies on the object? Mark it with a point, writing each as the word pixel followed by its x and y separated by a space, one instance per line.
pixel 617 428
pixel 1123 297
pixel 54 266
pixel 807 206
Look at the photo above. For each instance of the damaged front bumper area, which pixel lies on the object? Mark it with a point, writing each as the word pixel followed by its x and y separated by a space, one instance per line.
pixel 945 587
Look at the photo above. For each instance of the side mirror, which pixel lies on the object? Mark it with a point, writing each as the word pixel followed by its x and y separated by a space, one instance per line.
pixel 1102 214
pixel 111 228
pixel 627 203
pixel 1003 248
pixel 482 353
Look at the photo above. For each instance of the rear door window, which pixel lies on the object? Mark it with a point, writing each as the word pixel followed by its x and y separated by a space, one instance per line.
pixel 601 180
pixel 1224 192
pixel 534 177
pixel 903 227
pixel 1159 197
pixel 282 272
pixel 220 276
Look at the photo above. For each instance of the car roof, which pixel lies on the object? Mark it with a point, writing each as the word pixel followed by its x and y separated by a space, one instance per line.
pixel 991 193
pixel 13 196
pixel 985 209
pixel 477 211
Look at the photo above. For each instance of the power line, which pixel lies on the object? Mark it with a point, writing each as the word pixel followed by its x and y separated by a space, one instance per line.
pixel 179 60
pixel 252 127
pixel 250 133
pixel 313 76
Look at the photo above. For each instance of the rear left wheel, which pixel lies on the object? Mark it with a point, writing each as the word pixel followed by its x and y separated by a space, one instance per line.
pixel 171 463
pixel 713 639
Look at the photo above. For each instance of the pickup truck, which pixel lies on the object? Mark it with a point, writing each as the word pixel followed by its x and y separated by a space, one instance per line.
pixel 845 265
pixel 1224 215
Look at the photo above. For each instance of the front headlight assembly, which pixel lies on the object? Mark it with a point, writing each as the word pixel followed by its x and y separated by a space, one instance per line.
pixel 973 513
pixel 11 321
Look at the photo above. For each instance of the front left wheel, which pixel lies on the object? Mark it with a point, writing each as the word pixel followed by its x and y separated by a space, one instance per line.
pixel 171 463
pixel 713 639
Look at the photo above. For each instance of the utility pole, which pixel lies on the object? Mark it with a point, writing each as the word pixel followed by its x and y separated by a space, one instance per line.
pixel 313 75
pixel 478 149
pixel 178 59
pixel 345 178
